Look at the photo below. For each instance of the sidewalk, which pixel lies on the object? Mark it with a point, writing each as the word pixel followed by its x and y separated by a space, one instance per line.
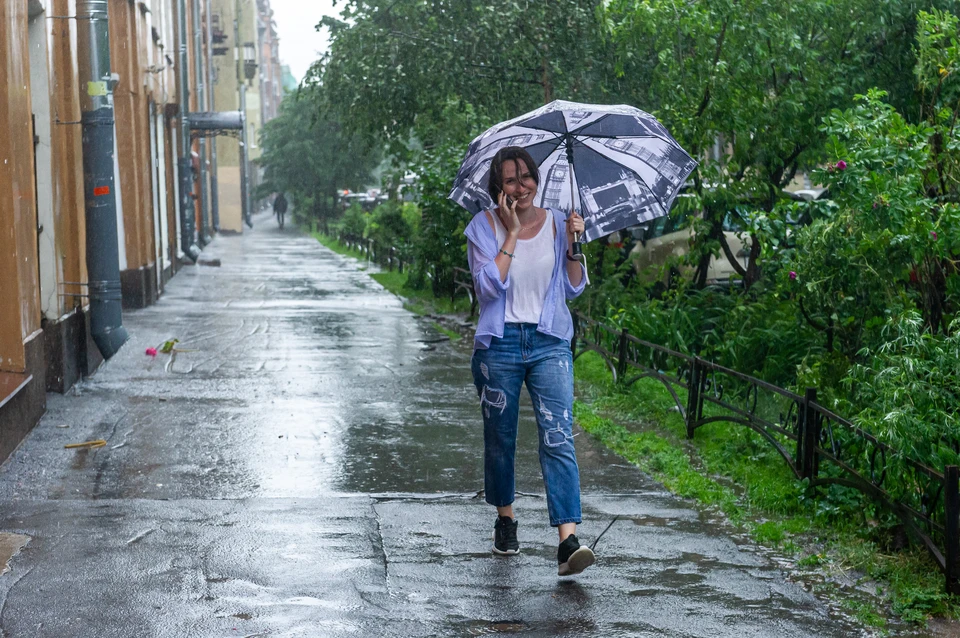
pixel 309 465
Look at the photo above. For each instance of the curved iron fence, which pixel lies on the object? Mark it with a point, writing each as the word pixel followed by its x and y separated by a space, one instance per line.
pixel 817 445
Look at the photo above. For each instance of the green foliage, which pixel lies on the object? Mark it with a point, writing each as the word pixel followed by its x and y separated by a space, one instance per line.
pixel 441 246
pixel 910 387
pixel 353 222
pixel 752 79
pixel 389 224
pixel 393 66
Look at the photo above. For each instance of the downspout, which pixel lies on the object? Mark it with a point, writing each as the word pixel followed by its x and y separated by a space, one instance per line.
pixel 244 159
pixel 96 104
pixel 242 84
pixel 211 107
pixel 187 244
pixel 198 72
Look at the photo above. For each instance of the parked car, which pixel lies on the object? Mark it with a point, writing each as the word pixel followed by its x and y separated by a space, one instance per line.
pixel 661 245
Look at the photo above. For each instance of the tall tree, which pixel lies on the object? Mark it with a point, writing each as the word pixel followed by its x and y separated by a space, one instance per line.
pixel 752 79
pixel 311 156
pixel 396 66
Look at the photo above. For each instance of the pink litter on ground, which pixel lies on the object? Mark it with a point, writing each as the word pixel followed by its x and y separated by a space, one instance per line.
pixel 151 352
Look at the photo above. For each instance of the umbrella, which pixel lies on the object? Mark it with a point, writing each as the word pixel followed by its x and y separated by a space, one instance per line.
pixel 617 162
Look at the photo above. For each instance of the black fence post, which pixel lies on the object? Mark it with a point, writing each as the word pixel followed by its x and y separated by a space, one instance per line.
pixel 951 506
pixel 622 356
pixel 693 397
pixel 810 433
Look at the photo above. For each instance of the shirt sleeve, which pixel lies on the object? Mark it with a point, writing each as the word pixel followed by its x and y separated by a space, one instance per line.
pixel 569 290
pixel 486 275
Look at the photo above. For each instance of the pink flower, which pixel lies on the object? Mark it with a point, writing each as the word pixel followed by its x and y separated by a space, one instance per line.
pixel 151 352
pixel 933 234
pixel 841 165
pixel 793 275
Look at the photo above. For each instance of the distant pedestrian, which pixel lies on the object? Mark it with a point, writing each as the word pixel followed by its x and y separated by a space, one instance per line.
pixel 280 208
pixel 524 273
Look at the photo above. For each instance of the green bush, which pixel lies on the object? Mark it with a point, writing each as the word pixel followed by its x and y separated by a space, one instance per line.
pixel 389 224
pixel 353 221
pixel 441 245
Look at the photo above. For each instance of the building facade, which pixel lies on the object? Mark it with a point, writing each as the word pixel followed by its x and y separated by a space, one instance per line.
pixel 45 289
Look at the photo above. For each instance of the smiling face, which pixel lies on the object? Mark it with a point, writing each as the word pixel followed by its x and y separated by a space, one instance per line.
pixel 518 183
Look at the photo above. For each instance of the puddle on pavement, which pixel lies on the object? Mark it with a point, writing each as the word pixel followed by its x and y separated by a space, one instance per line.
pixel 10 546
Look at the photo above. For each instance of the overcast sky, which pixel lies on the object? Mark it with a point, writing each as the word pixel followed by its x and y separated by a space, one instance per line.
pixel 300 43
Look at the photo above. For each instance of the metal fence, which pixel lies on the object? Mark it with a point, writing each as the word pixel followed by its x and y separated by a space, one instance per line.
pixel 818 446
pixel 389 257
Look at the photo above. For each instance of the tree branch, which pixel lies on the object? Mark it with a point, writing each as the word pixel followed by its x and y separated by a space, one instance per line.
pixel 716 60
pixel 810 320
pixel 725 247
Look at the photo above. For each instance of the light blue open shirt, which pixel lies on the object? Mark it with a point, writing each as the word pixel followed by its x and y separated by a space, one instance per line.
pixel 555 318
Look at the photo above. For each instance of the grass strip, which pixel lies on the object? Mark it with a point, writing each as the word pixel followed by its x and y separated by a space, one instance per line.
pixel 733 469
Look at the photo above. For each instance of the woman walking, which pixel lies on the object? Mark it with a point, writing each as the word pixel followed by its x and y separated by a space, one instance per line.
pixel 523 273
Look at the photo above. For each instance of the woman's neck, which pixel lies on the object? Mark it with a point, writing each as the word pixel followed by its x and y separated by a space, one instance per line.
pixel 528 215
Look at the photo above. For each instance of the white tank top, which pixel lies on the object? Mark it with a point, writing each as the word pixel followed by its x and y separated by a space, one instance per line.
pixel 531 270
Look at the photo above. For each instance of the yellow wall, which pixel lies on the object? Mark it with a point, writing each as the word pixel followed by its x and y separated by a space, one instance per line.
pixel 231 218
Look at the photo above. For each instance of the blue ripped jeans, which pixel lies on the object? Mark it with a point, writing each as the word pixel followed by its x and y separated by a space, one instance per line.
pixel 545 363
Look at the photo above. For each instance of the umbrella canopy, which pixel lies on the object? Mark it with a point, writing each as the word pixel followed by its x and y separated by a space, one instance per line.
pixel 616 165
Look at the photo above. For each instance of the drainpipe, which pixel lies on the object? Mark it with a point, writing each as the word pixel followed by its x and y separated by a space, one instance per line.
pixel 242 84
pixel 214 195
pixel 96 104
pixel 244 159
pixel 198 73
pixel 187 244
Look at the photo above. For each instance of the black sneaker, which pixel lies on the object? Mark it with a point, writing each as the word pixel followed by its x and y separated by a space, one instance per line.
pixel 572 557
pixel 505 536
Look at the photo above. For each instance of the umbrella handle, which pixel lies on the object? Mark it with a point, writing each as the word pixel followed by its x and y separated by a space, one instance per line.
pixel 577 250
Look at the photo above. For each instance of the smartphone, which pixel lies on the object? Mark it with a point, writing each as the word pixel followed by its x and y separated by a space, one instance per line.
pixel 509 201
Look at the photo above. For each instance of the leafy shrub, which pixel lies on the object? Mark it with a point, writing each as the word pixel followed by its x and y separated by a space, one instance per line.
pixel 441 245
pixel 389 225
pixel 353 222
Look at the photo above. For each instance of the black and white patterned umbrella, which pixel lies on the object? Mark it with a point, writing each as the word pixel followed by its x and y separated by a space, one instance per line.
pixel 616 165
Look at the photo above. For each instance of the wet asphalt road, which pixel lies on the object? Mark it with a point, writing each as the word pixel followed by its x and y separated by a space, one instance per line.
pixel 309 466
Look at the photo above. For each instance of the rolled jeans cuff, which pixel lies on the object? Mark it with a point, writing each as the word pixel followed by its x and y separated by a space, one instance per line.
pixel 564 521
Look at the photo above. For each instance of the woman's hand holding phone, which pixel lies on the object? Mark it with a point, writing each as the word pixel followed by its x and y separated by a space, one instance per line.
pixel 507 210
